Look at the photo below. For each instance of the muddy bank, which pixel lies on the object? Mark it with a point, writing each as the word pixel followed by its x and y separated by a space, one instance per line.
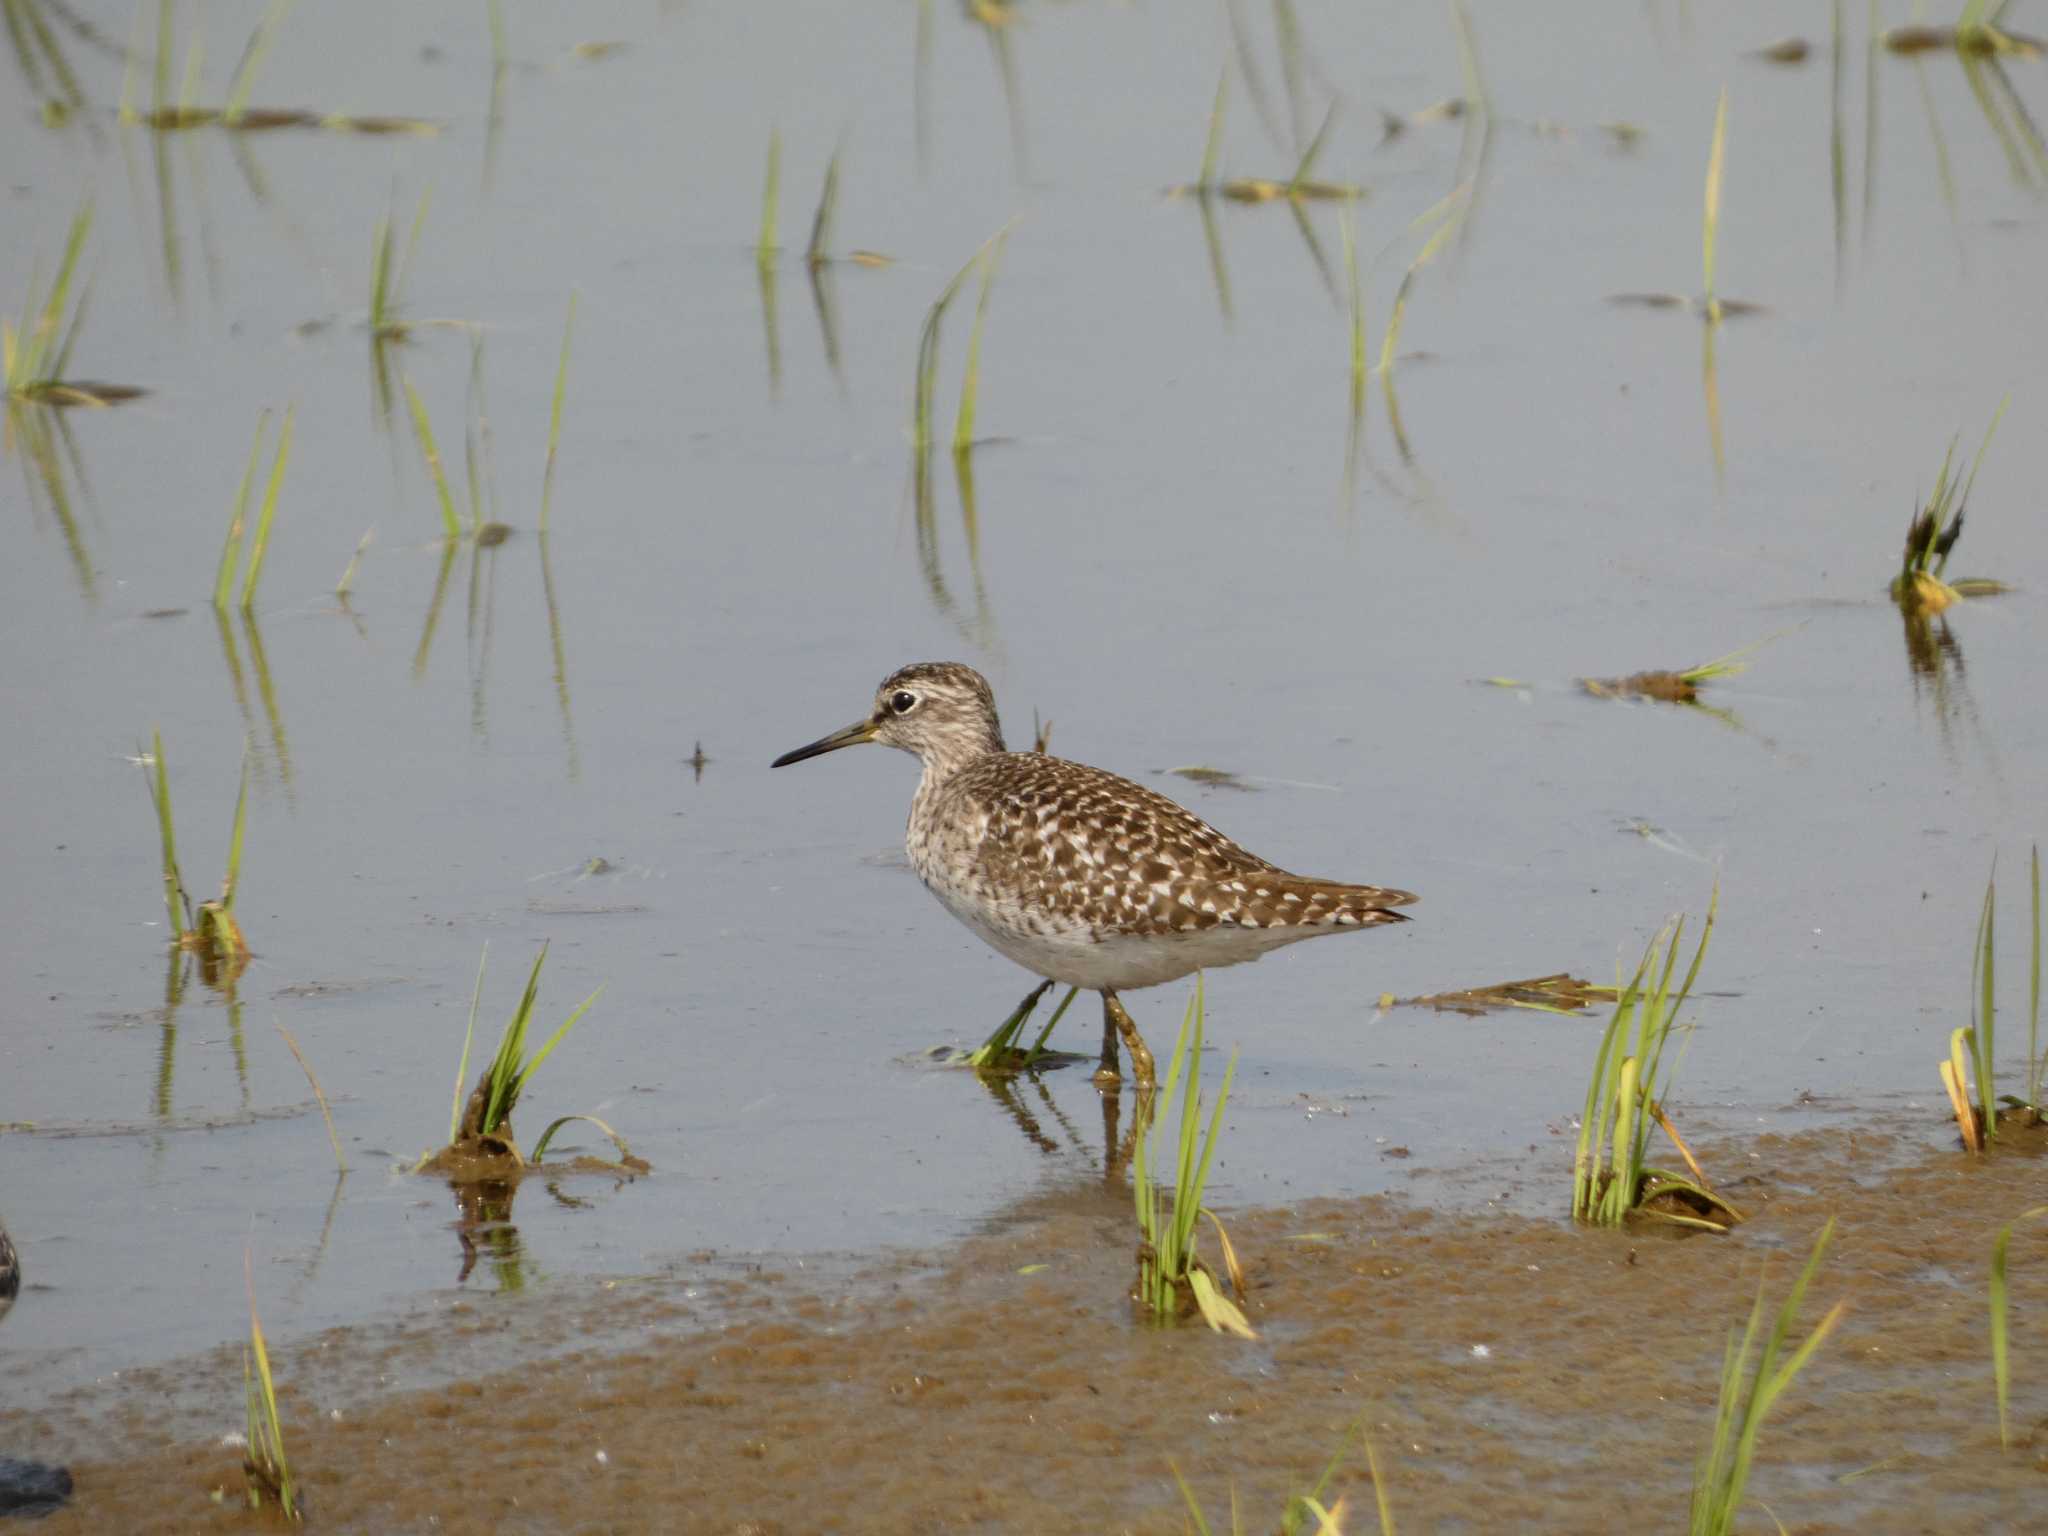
pixel 1515 1374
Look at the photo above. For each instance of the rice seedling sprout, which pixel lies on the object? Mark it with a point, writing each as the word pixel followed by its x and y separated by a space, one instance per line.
pixel 209 927
pixel 33 356
pixel 231 548
pixel 819 251
pixel 1721 1480
pixel 547 481
pixel 970 382
pixel 2001 1323
pixel 1612 1177
pixel 265 1465
pixel 485 1117
pixel 1446 214
pixel 326 1114
pixel 1932 533
pixel 260 545
pixel 1304 1514
pixel 1213 145
pixel 771 192
pixel 423 430
pixel 1710 222
pixel 1167 1260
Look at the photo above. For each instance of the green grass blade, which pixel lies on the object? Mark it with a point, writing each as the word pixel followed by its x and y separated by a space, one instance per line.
pixel 1031 1056
pixel 1213 145
pixel 970 382
pixel 39 341
pixel 2001 1362
pixel 1984 1003
pixel 1307 163
pixel 175 902
pixel 1451 216
pixel 547 479
pixel 533 1065
pixel 424 431
pixel 819 251
pixel 1188 1498
pixel 244 78
pixel 380 276
pixel 511 1047
pixel 468 1035
pixel 231 549
pixel 2034 1060
pixel 1710 223
pixel 233 879
pixel 928 346
pixel 261 544
pixel 771 196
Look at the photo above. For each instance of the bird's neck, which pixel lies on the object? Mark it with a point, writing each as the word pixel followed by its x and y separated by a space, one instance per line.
pixel 943 759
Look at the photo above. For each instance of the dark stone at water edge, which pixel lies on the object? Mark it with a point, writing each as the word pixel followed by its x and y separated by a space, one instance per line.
pixel 32 1488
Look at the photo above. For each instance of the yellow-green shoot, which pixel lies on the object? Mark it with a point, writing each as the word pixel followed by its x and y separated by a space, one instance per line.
pixel 765 249
pixel 2036 1062
pixel 819 251
pixel 1304 1514
pixel 928 346
pixel 35 353
pixel 1612 1177
pixel 2001 1324
pixel 388 273
pixel 547 479
pixel 970 380
pixel 1168 1264
pixel 265 1466
pixel 231 548
pixel 1445 215
pixel 209 927
pixel 1710 220
pixel 1973 1050
pixel 1721 1481
pixel 430 451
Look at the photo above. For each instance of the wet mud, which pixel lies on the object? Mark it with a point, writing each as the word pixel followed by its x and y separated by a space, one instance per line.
pixel 1513 1374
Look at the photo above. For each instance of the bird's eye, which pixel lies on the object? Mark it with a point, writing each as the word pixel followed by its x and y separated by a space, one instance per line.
pixel 903 703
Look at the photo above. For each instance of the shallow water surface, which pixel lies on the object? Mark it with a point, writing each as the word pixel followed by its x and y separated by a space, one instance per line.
pixel 1173 541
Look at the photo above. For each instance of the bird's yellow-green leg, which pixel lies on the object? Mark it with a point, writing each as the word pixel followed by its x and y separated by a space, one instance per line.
pixel 1116 1022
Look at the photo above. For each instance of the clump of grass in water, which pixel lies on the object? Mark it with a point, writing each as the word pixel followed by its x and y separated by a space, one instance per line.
pixel 265 1466
pixel 1921 586
pixel 1169 1270
pixel 1301 187
pixel 208 929
pixel 1976 33
pixel 484 530
pixel 2001 1324
pixel 1305 1514
pixel 1680 686
pixel 235 114
pixel 231 549
pixel 35 354
pixel 1000 1051
pixel 1612 1178
pixel 480 1140
pixel 1721 1481
pixel 1972 1050
pixel 388 273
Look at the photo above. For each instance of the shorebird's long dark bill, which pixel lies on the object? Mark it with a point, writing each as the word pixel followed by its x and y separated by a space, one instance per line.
pixel 860 731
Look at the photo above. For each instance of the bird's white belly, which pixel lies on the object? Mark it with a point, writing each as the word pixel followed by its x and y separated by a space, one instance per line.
pixel 1072 954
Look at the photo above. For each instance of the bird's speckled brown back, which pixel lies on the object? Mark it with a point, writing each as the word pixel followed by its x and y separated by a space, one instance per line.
pixel 1073 846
